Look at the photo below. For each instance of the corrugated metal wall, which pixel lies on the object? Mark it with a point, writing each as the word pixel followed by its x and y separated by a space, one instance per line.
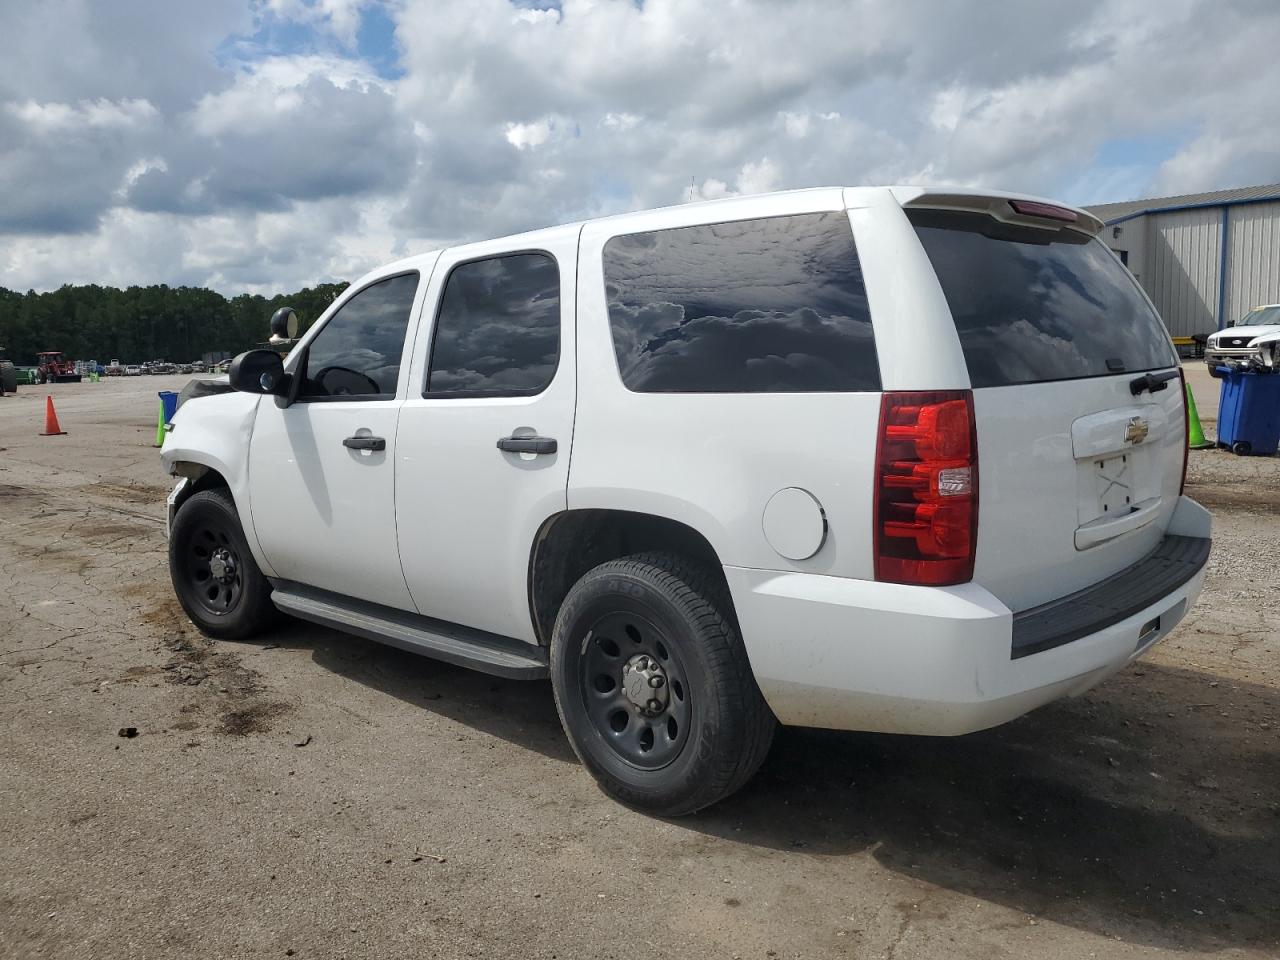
pixel 1253 257
pixel 1181 268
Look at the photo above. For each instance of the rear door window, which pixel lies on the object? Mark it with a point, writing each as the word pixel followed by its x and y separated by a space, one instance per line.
pixel 1033 305
pixel 754 306
pixel 498 328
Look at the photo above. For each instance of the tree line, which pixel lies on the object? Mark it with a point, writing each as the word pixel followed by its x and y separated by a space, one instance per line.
pixel 137 324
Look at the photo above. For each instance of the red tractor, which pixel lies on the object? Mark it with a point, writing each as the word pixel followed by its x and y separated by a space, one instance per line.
pixel 51 368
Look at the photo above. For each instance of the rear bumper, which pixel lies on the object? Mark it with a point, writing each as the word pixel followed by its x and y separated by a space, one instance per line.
pixel 858 655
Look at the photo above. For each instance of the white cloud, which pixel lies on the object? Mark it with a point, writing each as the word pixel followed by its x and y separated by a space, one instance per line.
pixel 758 177
pixel 46 118
pixel 341 18
pixel 528 15
pixel 525 135
pixel 795 124
pixel 266 91
pixel 620 121
pixel 162 142
pixel 131 176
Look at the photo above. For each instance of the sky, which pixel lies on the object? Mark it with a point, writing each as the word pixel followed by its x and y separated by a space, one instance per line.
pixel 264 145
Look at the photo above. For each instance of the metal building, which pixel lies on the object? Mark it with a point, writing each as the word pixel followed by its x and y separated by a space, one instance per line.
pixel 1203 258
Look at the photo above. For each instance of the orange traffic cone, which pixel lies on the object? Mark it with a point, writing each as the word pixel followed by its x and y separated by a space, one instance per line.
pixel 51 428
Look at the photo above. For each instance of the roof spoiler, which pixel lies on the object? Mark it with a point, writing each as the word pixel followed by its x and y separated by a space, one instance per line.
pixel 1021 210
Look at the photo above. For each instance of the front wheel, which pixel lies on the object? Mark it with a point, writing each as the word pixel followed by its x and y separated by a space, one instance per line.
pixel 214 575
pixel 653 685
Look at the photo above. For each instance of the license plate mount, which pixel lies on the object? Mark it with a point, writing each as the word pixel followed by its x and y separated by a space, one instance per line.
pixel 1113 485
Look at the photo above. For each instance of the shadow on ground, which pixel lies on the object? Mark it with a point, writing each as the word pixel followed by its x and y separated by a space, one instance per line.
pixel 518 711
pixel 1139 811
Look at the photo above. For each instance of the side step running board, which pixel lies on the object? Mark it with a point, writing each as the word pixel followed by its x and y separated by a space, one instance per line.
pixel 450 642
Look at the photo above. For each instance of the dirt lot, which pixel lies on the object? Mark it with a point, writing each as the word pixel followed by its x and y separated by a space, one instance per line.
pixel 315 795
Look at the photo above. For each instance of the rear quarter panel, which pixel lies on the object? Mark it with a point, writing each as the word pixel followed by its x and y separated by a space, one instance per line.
pixel 713 461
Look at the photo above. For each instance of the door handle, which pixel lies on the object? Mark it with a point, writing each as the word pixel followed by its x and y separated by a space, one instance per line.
pixel 527 445
pixel 365 443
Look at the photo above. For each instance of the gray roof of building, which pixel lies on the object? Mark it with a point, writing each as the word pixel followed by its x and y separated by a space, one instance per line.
pixel 1112 212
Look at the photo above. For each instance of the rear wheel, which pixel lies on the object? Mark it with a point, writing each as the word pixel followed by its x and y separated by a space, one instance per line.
pixel 1242 448
pixel 653 685
pixel 214 575
pixel 8 377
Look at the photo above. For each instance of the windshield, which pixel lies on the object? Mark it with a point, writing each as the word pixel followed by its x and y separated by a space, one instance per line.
pixel 1260 317
pixel 1033 305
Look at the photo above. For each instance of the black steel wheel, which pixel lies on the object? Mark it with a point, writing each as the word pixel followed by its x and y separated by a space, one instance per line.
pixel 653 685
pixel 634 688
pixel 214 574
pixel 214 569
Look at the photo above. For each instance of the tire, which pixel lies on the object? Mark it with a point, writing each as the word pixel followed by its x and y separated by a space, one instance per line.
pixel 658 615
pixel 8 377
pixel 1242 448
pixel 214 575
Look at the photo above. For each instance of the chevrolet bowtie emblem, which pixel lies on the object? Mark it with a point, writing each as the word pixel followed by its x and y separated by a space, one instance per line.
pixel 1136 431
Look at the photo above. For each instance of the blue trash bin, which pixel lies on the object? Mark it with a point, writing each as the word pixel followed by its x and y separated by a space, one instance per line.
pixel 169 398
pixel 1249 411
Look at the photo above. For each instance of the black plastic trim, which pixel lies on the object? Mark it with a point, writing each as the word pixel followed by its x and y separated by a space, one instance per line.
pixel 438 639
pixel 365 443
pixel 1151 381
pixel 538 445
pixel 1166 568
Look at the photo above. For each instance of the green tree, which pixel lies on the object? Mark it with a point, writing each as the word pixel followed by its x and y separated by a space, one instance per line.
pixel 145 323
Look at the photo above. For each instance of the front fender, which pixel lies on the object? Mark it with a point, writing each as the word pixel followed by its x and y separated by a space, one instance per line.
pixel 214 433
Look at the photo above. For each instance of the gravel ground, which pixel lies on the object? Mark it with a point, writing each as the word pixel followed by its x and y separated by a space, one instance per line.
pixel 315 795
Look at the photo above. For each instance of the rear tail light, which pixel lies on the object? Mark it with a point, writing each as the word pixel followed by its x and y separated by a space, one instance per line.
pixel 1186 431
pixel 926 501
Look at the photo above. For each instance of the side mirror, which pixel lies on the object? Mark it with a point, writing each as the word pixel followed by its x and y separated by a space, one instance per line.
pixel 1231 323
pixel 259 371
pixel 284 326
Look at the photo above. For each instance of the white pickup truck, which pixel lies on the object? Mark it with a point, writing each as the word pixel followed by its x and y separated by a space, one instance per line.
pixel 895 459
pixel 1253 337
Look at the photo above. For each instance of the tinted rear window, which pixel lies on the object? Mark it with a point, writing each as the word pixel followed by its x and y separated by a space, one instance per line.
pixel 1033 305
pixel 498 328
pixel 755 306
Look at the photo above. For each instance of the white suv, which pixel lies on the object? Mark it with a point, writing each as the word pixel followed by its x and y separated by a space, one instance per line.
pixel 890 459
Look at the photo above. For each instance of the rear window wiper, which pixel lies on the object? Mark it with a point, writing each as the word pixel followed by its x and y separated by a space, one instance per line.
pixel 1151 381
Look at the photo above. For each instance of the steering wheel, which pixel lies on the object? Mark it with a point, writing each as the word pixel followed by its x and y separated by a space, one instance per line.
pixel 345 382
